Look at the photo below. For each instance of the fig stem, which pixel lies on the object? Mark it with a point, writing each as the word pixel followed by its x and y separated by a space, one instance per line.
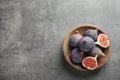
pixel 102 54
pixel 77 31
pixel 96 56
pixel 96 43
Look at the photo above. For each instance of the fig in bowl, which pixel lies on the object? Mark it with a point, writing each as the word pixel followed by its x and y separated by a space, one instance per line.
pixel 86 45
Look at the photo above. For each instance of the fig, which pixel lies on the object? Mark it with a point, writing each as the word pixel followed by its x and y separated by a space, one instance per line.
pixel 75 39
pixel 96 51
pixel 92 33
pixel 103 40
pixel 86 44
pixel 77 56
pixel 90 63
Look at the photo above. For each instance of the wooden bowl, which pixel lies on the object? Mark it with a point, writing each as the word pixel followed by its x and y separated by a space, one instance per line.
pixel 67 50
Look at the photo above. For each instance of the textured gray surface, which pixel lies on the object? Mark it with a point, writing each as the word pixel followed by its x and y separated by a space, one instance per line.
pixel 32 32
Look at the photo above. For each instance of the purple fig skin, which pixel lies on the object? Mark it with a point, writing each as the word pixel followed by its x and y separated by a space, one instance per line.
pixel 74 40
pixel 86 44
pixel 92 33
pixel 77 56
pixel 96 51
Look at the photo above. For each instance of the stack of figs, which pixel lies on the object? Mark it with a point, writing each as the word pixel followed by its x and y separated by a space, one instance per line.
pixel 87 48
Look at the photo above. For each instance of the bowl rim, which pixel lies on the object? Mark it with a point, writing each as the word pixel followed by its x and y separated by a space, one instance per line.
pixel 64 50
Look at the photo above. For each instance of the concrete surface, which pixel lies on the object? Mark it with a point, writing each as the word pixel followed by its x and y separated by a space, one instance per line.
pixel 32 32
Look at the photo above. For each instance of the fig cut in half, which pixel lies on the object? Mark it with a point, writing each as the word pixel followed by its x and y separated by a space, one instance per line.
pixel 90 63
pixel 103 40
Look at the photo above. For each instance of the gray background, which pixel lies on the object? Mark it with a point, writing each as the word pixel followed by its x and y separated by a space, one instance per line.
pixel 32 33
